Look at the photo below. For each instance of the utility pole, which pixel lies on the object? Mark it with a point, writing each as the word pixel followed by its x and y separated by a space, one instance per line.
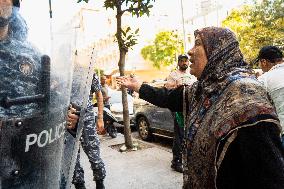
pixel 50 28
pixel 183 28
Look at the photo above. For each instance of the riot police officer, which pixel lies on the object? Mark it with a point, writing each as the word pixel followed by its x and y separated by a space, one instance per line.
pixel 31 131
pixel 20 71
pixel 90 140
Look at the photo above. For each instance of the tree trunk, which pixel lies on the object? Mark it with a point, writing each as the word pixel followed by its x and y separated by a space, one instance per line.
pixel 121 65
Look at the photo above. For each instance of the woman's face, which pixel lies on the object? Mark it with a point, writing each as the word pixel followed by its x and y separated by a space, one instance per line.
pixel 197 57
pixel 6 8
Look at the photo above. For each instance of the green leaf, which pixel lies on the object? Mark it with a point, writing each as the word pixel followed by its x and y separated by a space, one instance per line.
pixel 137 30
pixel 123 33
pixel 129 37
pixel 127 29
pixel 148 13
pixel 78 1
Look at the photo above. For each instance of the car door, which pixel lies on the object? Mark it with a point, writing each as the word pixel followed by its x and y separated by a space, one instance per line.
pixel 163 118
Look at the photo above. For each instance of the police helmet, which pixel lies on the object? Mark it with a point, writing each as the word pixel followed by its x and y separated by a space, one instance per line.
pixel 16 3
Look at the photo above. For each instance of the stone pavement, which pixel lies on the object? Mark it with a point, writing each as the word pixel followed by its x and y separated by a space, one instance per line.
pixel 148 168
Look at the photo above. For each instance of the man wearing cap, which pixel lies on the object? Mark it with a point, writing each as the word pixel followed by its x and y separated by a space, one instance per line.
pixel 271 62
pixel 178 78
pixel 181 75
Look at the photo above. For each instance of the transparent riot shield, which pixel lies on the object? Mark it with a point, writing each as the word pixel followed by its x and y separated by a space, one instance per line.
pixel 81 85
pixel 35 94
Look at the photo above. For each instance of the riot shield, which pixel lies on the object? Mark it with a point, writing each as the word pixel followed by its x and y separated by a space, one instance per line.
pixel 32 114
pixel 81 84
pixel 34 98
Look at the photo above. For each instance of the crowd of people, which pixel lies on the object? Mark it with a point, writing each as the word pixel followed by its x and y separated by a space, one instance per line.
pixel 228 123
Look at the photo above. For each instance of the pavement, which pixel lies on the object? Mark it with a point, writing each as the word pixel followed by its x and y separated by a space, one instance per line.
pixel 146 168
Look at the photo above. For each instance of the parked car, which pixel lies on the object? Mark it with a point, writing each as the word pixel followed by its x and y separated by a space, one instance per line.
pixel 152 120
pixel 116 107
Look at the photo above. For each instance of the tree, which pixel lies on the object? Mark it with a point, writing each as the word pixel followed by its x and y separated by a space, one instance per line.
pixel 258 25
pixel 164 49
pixel 126 39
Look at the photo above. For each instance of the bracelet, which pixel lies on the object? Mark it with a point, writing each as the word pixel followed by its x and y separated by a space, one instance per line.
pixel 100 117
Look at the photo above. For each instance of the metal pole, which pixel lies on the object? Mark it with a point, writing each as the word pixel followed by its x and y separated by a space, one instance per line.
pixel 50 10
pixel 183 28
pixel 50 28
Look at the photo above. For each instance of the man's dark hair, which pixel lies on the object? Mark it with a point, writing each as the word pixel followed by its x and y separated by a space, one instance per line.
pixel 180 57
pixel 271 53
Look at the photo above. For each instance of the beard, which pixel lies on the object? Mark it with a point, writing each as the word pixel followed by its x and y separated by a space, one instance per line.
pixel 4 21
pixel 183 67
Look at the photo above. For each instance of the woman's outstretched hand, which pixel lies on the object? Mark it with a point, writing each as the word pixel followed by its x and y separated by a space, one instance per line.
pixel 129 82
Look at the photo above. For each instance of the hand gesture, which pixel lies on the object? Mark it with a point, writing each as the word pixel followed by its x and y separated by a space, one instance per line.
pixel 129 82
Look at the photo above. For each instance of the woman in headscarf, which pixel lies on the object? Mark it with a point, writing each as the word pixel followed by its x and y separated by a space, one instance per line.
pixel 232 133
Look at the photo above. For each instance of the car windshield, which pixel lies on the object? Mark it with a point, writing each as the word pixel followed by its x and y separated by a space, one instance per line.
pixel 116 97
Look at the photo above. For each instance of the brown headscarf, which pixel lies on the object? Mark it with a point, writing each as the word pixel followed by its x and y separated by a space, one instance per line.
pixel 225 97
pixel 224 58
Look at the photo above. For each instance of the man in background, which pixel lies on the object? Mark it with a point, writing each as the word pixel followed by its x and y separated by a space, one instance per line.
pixel 178 78
pixel 104 90
pixel 271 62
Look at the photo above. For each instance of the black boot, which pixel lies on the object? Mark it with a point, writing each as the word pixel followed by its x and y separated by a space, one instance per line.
pixel 177 168
pixel 79 185
pixel 177 165
pixel 100 184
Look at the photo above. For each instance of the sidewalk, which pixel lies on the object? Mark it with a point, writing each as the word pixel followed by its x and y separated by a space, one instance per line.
pixel 147 168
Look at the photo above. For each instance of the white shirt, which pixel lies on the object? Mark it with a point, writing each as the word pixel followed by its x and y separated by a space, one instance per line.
pixel 273 81
pixel 178 77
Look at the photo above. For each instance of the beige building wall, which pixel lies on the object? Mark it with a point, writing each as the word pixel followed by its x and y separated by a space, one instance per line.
pixel 95 41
